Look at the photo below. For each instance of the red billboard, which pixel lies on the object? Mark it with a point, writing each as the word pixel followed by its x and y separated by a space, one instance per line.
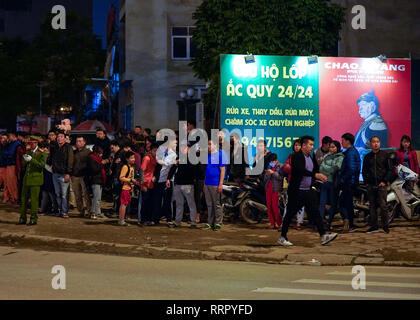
pixel 366 97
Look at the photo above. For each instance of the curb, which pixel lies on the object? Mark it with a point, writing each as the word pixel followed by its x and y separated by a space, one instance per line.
pixel 147 251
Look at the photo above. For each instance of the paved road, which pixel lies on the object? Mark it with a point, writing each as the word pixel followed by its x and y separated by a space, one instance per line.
pixel 26 274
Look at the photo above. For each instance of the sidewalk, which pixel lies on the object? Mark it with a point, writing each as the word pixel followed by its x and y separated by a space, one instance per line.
pixel 235 242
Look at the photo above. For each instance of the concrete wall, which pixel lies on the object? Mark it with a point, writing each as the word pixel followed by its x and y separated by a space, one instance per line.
pixel 392 28
pixel 157 80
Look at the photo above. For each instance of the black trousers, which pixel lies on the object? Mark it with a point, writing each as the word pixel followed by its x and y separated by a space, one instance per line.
pixel 346 202
pixel 310 200
pixel 198 195
pixel 377 199
pixel 147 206
pixel 162 202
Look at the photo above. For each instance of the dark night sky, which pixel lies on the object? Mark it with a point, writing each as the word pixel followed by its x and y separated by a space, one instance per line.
pixel 100 11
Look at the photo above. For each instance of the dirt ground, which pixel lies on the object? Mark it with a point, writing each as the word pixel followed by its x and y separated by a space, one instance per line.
pixel 403 243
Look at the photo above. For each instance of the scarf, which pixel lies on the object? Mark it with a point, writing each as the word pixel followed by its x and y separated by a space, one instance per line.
pixel 98 159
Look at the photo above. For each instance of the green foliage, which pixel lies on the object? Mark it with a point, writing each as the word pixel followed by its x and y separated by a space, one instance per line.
pixel 70 58
pixel 64 60
pixel 18 77
pixel 280 27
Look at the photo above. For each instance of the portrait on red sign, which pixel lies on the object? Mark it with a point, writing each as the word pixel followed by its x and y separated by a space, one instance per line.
pixel 366 97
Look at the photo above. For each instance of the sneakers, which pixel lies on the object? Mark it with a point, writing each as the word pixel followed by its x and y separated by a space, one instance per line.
pixel 386 229
pixel 372 230
pixel 217 227
pixel 122 223
pixel 284 242
pixel 101 216
pixel 93 216
pixel 65 215
pixel 206 227
pixel 173 224
pixel 193 225
pixel 326 238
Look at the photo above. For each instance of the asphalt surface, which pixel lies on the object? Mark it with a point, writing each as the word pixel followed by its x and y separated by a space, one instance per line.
pixel 27 274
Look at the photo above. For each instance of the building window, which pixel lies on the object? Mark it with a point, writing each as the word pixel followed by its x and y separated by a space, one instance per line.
pixel 182 46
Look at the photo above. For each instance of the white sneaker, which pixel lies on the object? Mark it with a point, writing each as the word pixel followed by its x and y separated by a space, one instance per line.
pixel 123 223
pixel 285 243
pixel 328 238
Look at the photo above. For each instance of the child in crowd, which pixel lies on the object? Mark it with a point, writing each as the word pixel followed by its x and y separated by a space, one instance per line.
pixel 128 182
pixel 273 182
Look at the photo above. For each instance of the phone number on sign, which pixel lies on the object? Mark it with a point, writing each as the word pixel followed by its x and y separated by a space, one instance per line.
pixel 274 142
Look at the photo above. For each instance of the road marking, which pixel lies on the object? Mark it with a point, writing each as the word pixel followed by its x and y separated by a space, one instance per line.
pixel 368 283
pixel 373 274
pixel 355 294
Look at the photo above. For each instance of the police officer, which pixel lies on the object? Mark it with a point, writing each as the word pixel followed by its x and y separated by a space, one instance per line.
pixel 35 158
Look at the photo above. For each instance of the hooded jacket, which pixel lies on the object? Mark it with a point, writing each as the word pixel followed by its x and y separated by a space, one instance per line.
pixel 331 165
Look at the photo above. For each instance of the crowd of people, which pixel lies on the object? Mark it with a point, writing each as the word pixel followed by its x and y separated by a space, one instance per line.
pixel 338 174
pixel 51 174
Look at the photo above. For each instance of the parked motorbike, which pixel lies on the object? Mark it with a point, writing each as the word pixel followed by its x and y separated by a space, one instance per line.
pixel 246 201
pixel 404 195
pixel 400 199
pixel 232 197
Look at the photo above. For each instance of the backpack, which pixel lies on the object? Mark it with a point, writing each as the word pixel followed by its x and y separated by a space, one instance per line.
pixel 128 171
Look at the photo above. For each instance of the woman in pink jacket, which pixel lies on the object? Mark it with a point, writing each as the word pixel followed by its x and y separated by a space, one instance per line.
pixel 407 156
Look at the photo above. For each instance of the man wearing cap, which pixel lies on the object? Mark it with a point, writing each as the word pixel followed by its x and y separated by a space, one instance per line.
pixel 373 124
pixel 35 158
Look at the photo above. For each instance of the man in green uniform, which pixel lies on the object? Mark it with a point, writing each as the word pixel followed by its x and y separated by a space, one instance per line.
pixel 35 158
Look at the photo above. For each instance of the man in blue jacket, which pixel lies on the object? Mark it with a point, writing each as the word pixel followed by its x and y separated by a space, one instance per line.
pixel 349 179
